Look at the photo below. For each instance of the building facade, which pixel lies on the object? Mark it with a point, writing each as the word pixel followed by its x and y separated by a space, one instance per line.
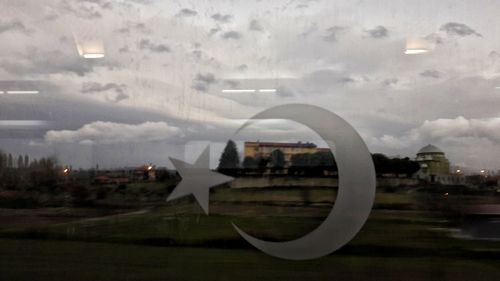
pixel 435 167
pixel 264 149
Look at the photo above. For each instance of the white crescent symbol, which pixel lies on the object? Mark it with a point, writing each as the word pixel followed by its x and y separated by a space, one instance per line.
pixel 356 191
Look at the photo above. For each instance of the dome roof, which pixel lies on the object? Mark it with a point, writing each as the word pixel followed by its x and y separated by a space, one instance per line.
pixel 430 149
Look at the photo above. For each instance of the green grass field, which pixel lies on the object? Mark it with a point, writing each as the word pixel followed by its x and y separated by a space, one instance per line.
pixel 176 241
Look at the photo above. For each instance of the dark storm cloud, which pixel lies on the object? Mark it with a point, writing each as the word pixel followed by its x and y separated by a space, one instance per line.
pixel 202 82
pixel 460 29
pixel 430 73
pixel 145 44
pixel 94 87
pixel 232 35
pixel 187 13
pixel 378 32
pixel 255 25
pixel 222 18
pixel 14 25
pixel 333 32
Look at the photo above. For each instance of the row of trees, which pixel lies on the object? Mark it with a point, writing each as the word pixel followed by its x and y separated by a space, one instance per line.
pixel 7 161
pixel 307 164
pixel 35 174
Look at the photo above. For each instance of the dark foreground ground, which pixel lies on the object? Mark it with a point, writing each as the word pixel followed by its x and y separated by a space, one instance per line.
pixel 401 241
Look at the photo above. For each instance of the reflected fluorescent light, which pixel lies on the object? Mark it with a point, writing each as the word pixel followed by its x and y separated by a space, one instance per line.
pixel 2 92
pixel 267 91
pixel 23 123
pixel 416 51
pixel 416 45
pixel 90 48
pixel 239 91
pixel 497 87
pixel 23 92
pixel 93 56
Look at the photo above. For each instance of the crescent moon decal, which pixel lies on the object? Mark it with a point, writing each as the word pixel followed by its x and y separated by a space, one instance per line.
pixel 356 191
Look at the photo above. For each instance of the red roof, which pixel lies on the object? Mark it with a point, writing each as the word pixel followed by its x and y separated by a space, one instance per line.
pixel 281 144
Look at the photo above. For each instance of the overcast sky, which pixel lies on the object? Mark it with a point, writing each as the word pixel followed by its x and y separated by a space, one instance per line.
pixel 158 90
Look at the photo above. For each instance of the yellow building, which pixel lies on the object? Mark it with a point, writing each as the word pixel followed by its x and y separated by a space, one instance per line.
pixel 264 149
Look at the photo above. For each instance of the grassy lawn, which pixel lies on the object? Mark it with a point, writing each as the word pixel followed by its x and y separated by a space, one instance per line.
pixel 64 260
pixel 176 241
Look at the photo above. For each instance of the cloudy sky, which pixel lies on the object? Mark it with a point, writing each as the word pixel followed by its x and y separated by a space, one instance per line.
pixel 158 91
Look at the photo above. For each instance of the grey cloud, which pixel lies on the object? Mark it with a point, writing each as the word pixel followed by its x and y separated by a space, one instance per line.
pixel 222 18
pixel 378 32
pixel 81 10
pixel 144 2
pixel 231 83
pixel 310 30
pixel 140 27
pixel 390 81
pixel 46 63
pixel 448 130
pixel 145 44
pixel 125 29
pixel 101 3
pixel 232 35
pixel 187 13
pixel 255 25
pixel 121 96
pixel 434 38
pixel 109 133
pixel 333 32
pixel 14 25
pixel 124 49
pixel 242 67
pixel 214 31
pixel 459 29
pixel 202 82
pixel 94 87
pixel 430 73
pixel 347 80
pixel 197 54
pixel 283 91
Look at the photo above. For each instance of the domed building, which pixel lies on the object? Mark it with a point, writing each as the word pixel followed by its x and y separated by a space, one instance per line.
pixel 434 166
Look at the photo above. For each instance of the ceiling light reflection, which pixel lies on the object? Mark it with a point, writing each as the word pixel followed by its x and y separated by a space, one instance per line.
pixel 239 91
pixel 416 45
pixel 416 51
pixel 34 92
pixel 23 123
pixel 267 91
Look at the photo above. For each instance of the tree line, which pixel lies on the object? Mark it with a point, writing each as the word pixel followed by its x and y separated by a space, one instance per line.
pixel 27 174
pixel 305 164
